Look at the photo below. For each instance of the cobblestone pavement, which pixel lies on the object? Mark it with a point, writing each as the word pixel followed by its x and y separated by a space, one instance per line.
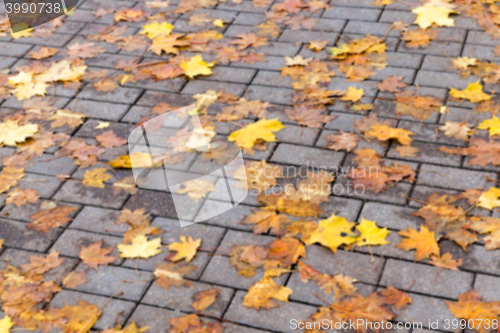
pixel 149 305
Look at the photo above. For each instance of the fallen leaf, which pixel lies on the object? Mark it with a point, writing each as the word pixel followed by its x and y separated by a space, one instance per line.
pixel 6 324
pixel 490 199
pixel 371 234
pixel 446 261
pixel 11 133
pixel 204 299
pixel 74 279
pixel 264 220
pixel 186 249
pixel 473 92
pixel 110 140
pixel 392 84
pixel 196 66
pixel 342 141
pixel 492 124
pixel 260 130
pixel 21 196
pixel 353 95
pixel 94 255
pixel 396 297
pixel 40 264
pixel 384 133
pixel 332 233
pixel 96 178
pixel 43 53
pixel 457 130
pixel 171 275
pixel 196 188
pixel 423 241
pixel 156 29
pixel 430 13
pixel 44 220
pixel 140 248
pixel 260 294
pixel 66 117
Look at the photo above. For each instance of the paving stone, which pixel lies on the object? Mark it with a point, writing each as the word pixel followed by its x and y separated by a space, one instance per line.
pixel 304 36
pixel 244 6
pixel 201 86
pixel 363 14
pixel 297 135
pixel 301 155
pixel 476 258
pixel 115 312
pixel 435 48
pixel 478 51
pixel 369 87
pixel 443 80
pixel 17 235
pixel 429 133
pixel 229 74
pixel 465 115
pixel 270 94
pixel 408 74
pixel 158 320
pixel 23 213
pixel 429 153
pixel 277 319
pixel 390 216
pixel 48 164
pixel 435 63
pixel 397 59
pixel 71 241
pixel 484 285
pixel 272 79
pixel 280 49
pixel 16 258
pixel 101 110
pixel 387 251
pixel 348 208
pixel 157 203
pixel 112 280
pixel 100 220
pixel 425 279
pixel 370 28
pixel 311 293
pixel 119 95
pixel 14 50
pixel 271 63
pixel 479 37
pixel 183 298
pixel 89 130
pixel 390 16
pixel 74 191
pixel 453 178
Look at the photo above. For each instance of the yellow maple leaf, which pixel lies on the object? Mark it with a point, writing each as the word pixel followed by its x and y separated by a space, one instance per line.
pixel 463 63
pixel 371 234
pixel 384 133
pixel 423 242
pixel 156 29
pixel 30 89
pixel 138 160
pixel 96 177
pixel 431 13
pixel 11 133
pixel 61 71
pixel 218 23
pixel 186 249
pixel 489 199
pixel 21 78
pixel 140 248
pixel 382 2
pixel 262 129
pixel 353 94
pixel 22 34
pixel 260 294
pixel 473 92
pixel 196 188
pixel 333 232
pixel 102 124
pixel 196 66
pixel 492 124
pixel 6 324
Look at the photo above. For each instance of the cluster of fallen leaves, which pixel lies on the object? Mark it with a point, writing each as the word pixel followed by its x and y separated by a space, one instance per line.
pixel 295 216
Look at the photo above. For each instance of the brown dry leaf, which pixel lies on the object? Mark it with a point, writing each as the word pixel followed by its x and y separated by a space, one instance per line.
pixel 317 45
pixel 248 40
pixel 94 255
pixel 40 264
pixel 446 261
pixel 96 178
pixel 110 140
pixel 171 275
pixel 84 51
pixel 459 131
pixel 66 117
pixel 74 279
pixel 44 220
pixel 204 299
pixel 482 152
pixel 490 226
pixel 20 196
pixel 346 141
pixel 136 218
pixel 168 44
pixel 199 20
pixel 309 116
pixel 106 85
pixel 407 151
pixel 186 249
pixel 384 133
pixel 43 53
pixel 353 95
pixel 470 308
pixel 264 220
pixel 396 297
pixel 261 293
pixel 129 15
pixel 423 242
pixel 9 177
pixel 419 38
pixel 196 188
pixel 392 84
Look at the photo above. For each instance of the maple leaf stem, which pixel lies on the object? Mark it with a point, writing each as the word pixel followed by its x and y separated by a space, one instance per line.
pixel 109 300
pixel 322 300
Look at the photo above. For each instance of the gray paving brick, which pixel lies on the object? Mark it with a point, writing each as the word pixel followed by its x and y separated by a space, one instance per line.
pixel 48 164
pixel 435 63
pixel 100 220
pixel 280 49
pixel 370 28
pixel 244 6
pixel 478 51
pixel 429 153
pixel 425 279
pixel 112 280
pixel 277 319
pixel 436 48
pixel 100 110
pixel 115 312
pixel 70 242
pixel 201 86
pixel 119 95
pixel 339 83
pixel 443 80
pixel 387 108
pixel 390 16
pixel 271 63
pixel 479 37
pixel 303 36
pixel 14 49
pixel 429 133
pixel 300 155
pixel 390 216
pixel 363 14
pixel 270 78
pixel 23 213
pixel 476 258
pixel 73 191
pixel 229 74
pixel 154 202
pixel 182 298
pixel 17 235
pixel 398 59
pixel 453 178
pixel 484 285
pixel 270 94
